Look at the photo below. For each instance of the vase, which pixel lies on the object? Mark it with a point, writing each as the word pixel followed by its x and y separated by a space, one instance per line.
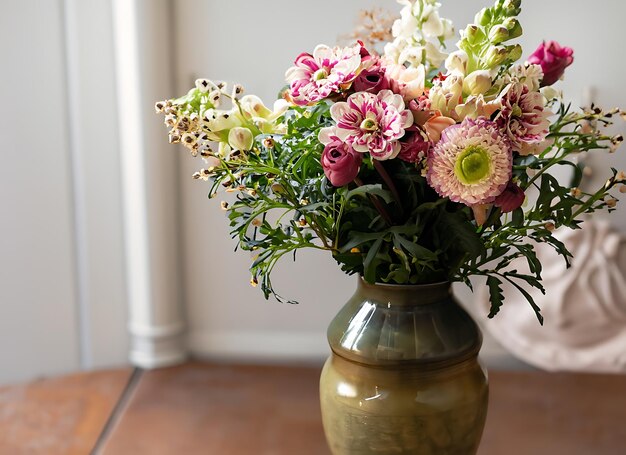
pixel 404 375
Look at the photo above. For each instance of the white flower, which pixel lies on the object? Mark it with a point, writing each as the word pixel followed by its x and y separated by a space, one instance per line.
pixel 263 118
pixel 529 75
pixel 550 93
pixel 477 82
pixel 406 26
pixel 476 106
pixel 445 95
pixel 240 138
pixel 419 34
pixel 456 63
pixel 432 26
pixel 434 55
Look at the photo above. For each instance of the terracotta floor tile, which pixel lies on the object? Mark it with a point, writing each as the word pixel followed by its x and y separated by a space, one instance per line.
pixel 536 413
pixel 222 409
pixel 203 408
pixel 62 416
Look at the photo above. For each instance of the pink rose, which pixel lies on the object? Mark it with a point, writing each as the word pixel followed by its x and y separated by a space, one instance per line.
pixel 553 60
pixel 341 162
pixel 413 145
pixel 510 199
pixel 371 80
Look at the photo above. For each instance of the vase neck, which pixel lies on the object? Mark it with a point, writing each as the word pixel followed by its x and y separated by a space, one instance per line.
pixel 386 325
pixel 405 294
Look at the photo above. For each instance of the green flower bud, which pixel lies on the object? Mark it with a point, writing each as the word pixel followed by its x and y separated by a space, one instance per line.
pixel 473 34
pixel 512 7
pixel 514 27
pixel 495 56
pixel 498 34
pixel 483 17
pixel 515 52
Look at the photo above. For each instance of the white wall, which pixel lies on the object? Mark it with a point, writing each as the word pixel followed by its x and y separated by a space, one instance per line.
pixel 62 293
pixel 63 299
pixel 253 43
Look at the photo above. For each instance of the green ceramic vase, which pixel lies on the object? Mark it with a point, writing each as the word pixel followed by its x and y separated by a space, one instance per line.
pixel 403 376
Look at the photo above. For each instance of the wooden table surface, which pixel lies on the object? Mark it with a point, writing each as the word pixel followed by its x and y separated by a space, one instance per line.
pixel 204 408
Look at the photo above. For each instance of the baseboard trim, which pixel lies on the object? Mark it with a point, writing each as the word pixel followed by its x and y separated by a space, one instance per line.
pixel 259 345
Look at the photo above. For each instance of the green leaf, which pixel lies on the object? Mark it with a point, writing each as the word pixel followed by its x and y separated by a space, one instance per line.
pixel 374 189
pixel 495 295
pixel 369 265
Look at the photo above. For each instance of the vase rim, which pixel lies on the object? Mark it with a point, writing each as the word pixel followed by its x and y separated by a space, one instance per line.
pixel 405 294
pixel 393 286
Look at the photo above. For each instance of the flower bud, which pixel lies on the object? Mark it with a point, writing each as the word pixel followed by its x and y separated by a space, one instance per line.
pixel 498 34
pixel 203 85
pixel 513 26
pixel 477 83
pixel 483 17
pixel 215 98
pixel 473 34
pixel 223 149
pixel 512 7
pixel 240 138
pixel 515 52
pixel 496 55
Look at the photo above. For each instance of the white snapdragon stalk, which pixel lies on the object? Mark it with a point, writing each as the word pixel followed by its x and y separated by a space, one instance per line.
pixel 419 34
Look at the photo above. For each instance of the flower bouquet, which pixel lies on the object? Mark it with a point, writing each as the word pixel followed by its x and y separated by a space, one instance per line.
pixel 411 166
pixel 405 170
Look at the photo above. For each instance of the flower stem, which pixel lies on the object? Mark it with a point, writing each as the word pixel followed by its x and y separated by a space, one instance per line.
pixel 380 168
pixel 379 206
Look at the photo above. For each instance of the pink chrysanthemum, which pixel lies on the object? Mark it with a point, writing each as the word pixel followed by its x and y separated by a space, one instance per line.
pixel 524 118
pixel 370 123
pixel 472 163
pixel 315 77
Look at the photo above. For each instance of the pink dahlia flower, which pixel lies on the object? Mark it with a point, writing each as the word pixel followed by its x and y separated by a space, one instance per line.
pixel 370 123
pixel 472 163
pixel 523 117
pixel 314 77
pixel 340 162
pixel 553 59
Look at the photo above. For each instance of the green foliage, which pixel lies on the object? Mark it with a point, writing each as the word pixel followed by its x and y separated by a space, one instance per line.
pixel 389 225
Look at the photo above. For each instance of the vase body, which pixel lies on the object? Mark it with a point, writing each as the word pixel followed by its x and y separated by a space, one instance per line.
pixel 403 376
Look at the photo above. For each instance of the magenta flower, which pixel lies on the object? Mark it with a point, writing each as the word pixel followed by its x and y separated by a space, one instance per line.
pixel 372 79
pixel 340 162
pixel 510 199
pixel 472 163
pixel 553 59
pixel 315 77
pixel 370 123
pixel 414 145
pixel 523 117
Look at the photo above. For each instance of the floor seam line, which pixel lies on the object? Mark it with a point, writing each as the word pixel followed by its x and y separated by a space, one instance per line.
pixel 117 411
